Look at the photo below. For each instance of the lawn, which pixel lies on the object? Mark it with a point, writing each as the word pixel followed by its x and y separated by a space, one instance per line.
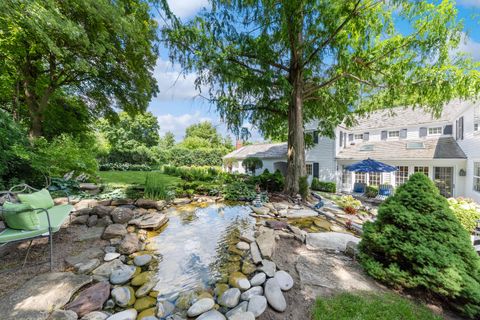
pixel 123 179
pixel 370 307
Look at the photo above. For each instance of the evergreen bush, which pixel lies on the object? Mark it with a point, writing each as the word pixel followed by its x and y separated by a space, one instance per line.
pixel 326 186
pixel 418 243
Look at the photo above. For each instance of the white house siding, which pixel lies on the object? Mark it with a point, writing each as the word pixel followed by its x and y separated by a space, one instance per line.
pixel 267 164
pixel 323 153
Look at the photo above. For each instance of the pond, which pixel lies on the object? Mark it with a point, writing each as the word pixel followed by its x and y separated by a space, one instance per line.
pixel 197 245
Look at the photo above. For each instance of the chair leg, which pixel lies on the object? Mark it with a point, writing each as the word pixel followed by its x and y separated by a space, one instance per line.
pixel 26 256
pixel 50 240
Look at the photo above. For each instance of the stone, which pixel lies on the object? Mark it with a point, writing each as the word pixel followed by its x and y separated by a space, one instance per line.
pixel 63 315
pixel 95 315
pixel 129 314
pixel 269 267
pixel 82 212
pixel 144 303
pixel 106 202
pixel 60 201
pixel 160 205
pixel 143 278
pixel 253 291
pixel 243 284
pixel 276 225
pixel 90 299
pixel 234 279
pixel 164 309
pixel 274 295
pixel 129 244
pixel 255 252
pixel 119 202
pixel 180 201
pixel 114 231
pixel 285 281
pixel 145 289
pixel 104 222
pixel 111 256
pixel 87 266
pixel 110 304
pixel 200 306
pixel 37 297
pixel 122 275
pixel 85 255
pixel 80 220
pixel 299 233
pixel 146 204
pixel 152 220
pixel 248 267
pixel 247 237
pixel 300 213
pixel 257 305
pixel 185 299
pixel 242 307
pixel 258 279
pixel 266 242
pixel 104 270
pixel 230 298
pixel 220 288
pixel 243 245
pixel 260 210
pixel 93 233
pixel 123 296
pixel 210 315
pixel 147 314
pixel 102 211
pixel 142 260
pixel 92 220
pixel 351 249
pixel 329 241
pixel 121 215
pixel 85 203
pixel 242 316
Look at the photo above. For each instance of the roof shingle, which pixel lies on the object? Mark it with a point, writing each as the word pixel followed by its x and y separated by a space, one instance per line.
pixel 263 151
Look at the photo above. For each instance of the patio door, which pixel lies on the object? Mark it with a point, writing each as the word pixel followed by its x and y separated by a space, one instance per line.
pixel 443 178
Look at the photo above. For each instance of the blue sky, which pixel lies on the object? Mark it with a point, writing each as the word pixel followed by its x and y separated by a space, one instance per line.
pixel 178 105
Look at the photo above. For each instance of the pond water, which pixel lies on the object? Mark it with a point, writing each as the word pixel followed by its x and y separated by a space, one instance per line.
pixel 195 245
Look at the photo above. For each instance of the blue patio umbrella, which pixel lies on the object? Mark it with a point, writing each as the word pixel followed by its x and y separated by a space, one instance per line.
pixel 370 165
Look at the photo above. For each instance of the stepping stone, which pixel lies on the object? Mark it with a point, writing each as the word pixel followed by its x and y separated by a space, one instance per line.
pixel 150 221
pixel 329 241
pixel 255 252
pixel 269 267
pixel 90 299
pixel 266 242
pixel 274 295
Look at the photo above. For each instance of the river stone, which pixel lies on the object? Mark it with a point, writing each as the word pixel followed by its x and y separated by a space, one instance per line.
pixel 269 267
pixel 248 267
pixel 144 303
pixel 145 289
pixel 247 237
pixel 201 306
pixel 235 277
pixel 152 220
pixel 254 291
pixel 255 252
pixel 122 215
pixel 242 316
pixel 111 256
pixel 329 241
pixel 257 305
pixel 258 279
pixel 102 211
pixel 80 220
pixel 92 220
pixel 146 204
pixel 37 297
pixel 243 245
pixel 274 295
pixel 243 284
pixel 95 315
pixel 105 270
pixel 230 298
pixel 123 296
pixel 266 242
pixel 142 260
pixel 87 267
pixel 130 314
pixel 113 231
pixel 142 278
pixel 63 315
pixel 122 274
pixel 104 222
pixel 90 299
pixel 242 307
pixel 129 244
pixel 210 315
pixel 220 288
pixel 285 281
pixel 147 314
pixel 261 210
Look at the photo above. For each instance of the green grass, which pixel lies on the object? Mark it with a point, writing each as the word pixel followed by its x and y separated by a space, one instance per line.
pixel 123 179
pixel 347 306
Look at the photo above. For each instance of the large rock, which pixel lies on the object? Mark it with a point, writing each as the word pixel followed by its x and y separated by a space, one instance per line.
pixel 180 201
pixel 152 220
pixel 201 306
pixel 102 211
pixel 80 220
pixel 129 244
pixel 210 315
pixel 91 299
pixel 269 267
pixel 92 220
pixel 104 222
pixel 330 240
pixel 114 230
pixel 146 204
pixel 85 203
pixel 276 225
pixel 121 215
pixel 105 270
pixel 266 242
pixel 122 274
pixel 230 298
pixel 130 314
pixel 261 210
pixel 299 213
pixel 36 298
pixel 274 295
pixel 255 252
pixel 123 296
pixel 285 281
pixel 83 256
pixel 257 305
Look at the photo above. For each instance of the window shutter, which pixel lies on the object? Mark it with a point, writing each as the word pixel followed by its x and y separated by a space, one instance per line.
pixel 316 169
pixel 460 122
pixel 403 134
pixel 384 135
pixel 423 132
pixel 456 130
pixel 448 129
pixel 350 137
pixel 366 136
pixel 315 136
pixel 341 138
pixel 345 139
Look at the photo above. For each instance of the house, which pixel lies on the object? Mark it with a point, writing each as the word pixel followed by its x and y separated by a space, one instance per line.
pixel 445 148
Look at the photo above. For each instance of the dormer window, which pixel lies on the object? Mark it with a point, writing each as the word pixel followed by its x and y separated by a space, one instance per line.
pixel 415 145
pixel 359 136
pixel 367 147
pixel 434 131
pixel 394 134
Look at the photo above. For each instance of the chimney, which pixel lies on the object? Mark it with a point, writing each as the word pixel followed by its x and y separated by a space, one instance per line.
pixel 238 144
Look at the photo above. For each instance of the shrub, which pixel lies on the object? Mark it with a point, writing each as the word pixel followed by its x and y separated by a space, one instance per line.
pixel 349 202
pixel 466 212
pixel 155 187
pixel 371 191
pixel 303 187
pixel 418 243
pixel 326 186
pixel 252 164
pixel 179 156
pixel 193 173
pixel 124 167
pixel 239 191
pixel 270 181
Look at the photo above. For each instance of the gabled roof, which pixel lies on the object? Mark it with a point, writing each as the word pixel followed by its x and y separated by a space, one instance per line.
pixel 262 151
pixel 436 148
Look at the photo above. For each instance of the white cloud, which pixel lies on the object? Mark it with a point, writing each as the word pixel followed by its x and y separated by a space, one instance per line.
pixel 469 3
pixel 186 8
pixel 178 124
pixel 470 46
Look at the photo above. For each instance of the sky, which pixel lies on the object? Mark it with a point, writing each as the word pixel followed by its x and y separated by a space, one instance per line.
pixel 179 105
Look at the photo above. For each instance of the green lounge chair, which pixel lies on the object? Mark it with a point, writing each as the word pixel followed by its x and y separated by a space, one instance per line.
pixel 50 221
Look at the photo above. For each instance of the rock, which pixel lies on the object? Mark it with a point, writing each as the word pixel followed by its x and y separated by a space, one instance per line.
pixel 120 202
pixel 63 315
pixel 255 252
pixel 85 255
pixel 92 220
pixel 130 314
pixel 147 314
pixel 121 215
pixel 85 203
pixel 102 211
pixel 248 267
pixel 247 237
pixel 144 303
pixel 129 244
pixel 242 316
pixel 109 249
pixel 123 296
pixel 146 204
pixel 257 305
pixel 87 267
pixel 220 288
pixel 60 201
pixel 281 206
pixel 266 242
pixel 300 213
pixel 95 315
pixel 145 289
pixel 242 307
pixel 80 220
pixel 104 222
pixel 243 245
pixel 285 281
pixel 253 291
pixel 260 210
pixel 91 299
pixel 201 306
pixel 160 205
pixel 109 305
pixel 143 278
pixel 106 202
pixel 111 256
pixel 180 201
pixel 269 267
pixel 329 241
pixel 276 225
pixel 237 279
pixel 258 279
pixel 82 212
pixel 114 231
pixel 274 295
pixel 122 275
pixel 210 315
pixel 299 233
pixel 185 299
pixel 230 298
pixel 142 260
pixel 351 249
pixel 37 297
pixel 104 270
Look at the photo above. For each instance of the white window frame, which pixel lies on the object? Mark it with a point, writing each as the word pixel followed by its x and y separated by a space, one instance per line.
pixel 432 131
pixel 403 177
pixel 394 134
pixel 374 178
pixel 309 167
pixel 422 169
pixel 358 136
pixel 476 176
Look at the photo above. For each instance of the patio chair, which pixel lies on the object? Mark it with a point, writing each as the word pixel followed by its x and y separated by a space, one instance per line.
pixel 384 191
pixel 36 206
pixel 359 189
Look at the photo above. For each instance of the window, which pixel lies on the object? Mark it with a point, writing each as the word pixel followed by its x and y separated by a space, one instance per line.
pixel 476 176
pixel 415 145
pixel 422 170
pixel 367 147
pixel 309 169
pixel 374 178
pixel 360 177
pixel 475 126
pixel 359 136
pixel 394 134
pixel 434 130
pixel 401 175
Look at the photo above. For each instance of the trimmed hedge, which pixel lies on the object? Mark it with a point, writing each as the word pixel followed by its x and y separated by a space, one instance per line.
pixel 325 186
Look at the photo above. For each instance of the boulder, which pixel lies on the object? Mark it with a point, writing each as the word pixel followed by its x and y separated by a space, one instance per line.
pixel 113 231
pixel 91 299
pixel 257 305
pixel 274 295
pixel 82 212
pixel 160 205
pixel 80 220
pixel 121 215
pixel 104 222
pixel 92 220
pixel 285 281
pixel 200 306
pixel 146 203
pixel 85 203
pixel 119 202
pixel 329 241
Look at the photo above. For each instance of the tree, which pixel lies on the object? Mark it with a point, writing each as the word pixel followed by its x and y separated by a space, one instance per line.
pixel 280 64
pixel 168 140
pixel 417 242
pixel 252 164
pixel 102 51
pixel 206 131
